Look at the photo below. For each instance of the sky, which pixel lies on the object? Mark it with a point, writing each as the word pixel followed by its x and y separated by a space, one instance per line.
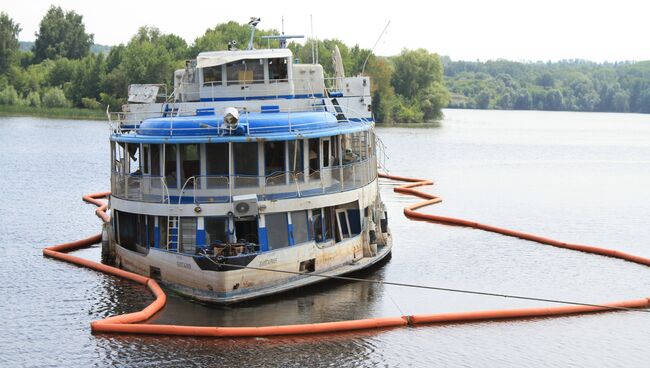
pixel 524 30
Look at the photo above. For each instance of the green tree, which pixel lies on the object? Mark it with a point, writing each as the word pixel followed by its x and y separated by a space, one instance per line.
pixel 8 41
pixel 383 94
pixel 61 34
pixel 418 76
pixel 146 58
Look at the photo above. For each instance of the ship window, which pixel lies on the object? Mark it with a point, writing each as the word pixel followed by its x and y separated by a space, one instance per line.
pixel 343 225
pixel 328 221
pixel 141 233
pixel 151 231
pixel 314 154
pixel 133 154
pixel 278 69
pixel 317 224
pixel 246 163
pixel 300 226
pixel 155 160
pixel 216 230
pixel 145 231
pixel 162 224
pixel 277 229
pixel 245 72
pixel 188 235
pixel 232 72
pixel 274 157
pixel 349 219
pixel 246 230
pixel 212 75
pixel 336 160
pixel 254 69
pixel 170 165
pixel 145 159
pixel 295 156
pixel 217 157
pixel 126 229
pixel 189 162
pixel 326 153
pixel 351 149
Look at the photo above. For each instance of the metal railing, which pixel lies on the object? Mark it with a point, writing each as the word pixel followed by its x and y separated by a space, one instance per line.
pixel 260 87
pixel 121 122
pixel 221 188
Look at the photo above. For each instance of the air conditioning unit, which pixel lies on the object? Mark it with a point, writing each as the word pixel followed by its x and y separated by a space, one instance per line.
pixel 245 205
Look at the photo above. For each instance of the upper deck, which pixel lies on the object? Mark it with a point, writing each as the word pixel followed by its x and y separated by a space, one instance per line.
pixel 208 126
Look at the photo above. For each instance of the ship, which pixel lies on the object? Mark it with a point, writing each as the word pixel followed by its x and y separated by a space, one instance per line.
pixel 256 175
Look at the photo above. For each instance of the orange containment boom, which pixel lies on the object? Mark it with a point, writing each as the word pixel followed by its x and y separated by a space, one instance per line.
pixel 134 322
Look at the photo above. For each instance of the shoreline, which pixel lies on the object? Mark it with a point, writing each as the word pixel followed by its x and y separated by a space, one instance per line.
pixel 53 112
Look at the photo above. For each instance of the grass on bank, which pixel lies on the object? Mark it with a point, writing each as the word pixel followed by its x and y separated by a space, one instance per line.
pixel 53 112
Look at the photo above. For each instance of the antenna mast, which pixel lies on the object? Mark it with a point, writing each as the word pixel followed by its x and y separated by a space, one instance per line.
pixel 253 23
pixel 373 47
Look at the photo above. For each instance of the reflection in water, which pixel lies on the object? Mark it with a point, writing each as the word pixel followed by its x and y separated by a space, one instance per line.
pixel 327 301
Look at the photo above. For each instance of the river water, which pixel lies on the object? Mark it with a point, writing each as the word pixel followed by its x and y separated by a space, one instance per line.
pixel 578 177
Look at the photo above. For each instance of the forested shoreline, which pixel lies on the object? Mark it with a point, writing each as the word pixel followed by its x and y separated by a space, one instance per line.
pixel 63 72
pixel 60 71
pixel 569 85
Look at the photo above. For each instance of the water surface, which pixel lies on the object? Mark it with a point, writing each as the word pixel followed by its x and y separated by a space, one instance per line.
pixel 579 177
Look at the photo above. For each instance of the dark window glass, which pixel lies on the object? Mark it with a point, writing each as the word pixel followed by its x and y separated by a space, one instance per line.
pixel 245 157
pixel 216 229
pixel 254 70
pixel 278 69
pixel 246 164
pixel 212 75
pixel 126 229
pixel 247 230
pixel 151 231
pixel 274 157
pixel 145 159
pixel 216 155
pixel 300 227
pixel 170 165
pixel 277 229
pixel 245 72
pixel 314 154
pixel 317 224
pixel 190 165
pixel 155 160
pixel 326 153
pixel 354 216
pixel 327 222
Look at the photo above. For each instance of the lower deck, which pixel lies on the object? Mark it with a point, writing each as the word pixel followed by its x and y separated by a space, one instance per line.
pixel 225 281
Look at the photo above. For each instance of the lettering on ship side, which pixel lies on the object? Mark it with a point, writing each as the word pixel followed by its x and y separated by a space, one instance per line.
pixel 268 262
pixel 181 264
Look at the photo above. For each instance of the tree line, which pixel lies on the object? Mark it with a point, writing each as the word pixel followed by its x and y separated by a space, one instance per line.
pixel 569 85
pixel 60 70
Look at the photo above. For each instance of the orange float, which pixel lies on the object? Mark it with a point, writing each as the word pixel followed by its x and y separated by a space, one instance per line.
pixel 134 322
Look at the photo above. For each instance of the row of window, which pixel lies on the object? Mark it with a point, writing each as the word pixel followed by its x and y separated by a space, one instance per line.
pixel 179 162
pixel 246 72
pixel 139 232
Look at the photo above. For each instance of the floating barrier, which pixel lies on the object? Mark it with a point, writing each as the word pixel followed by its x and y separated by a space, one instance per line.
pixel 133 323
